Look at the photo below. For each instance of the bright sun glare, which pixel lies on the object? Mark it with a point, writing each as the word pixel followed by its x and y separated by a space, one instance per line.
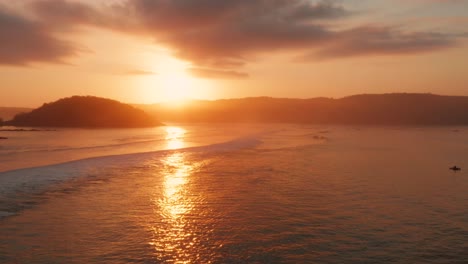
pixel 172 84
pixel 175 137
pixel 177 87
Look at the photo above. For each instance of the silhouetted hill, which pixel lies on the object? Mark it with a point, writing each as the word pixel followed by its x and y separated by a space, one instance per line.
pixel 85 111
pixel 370 109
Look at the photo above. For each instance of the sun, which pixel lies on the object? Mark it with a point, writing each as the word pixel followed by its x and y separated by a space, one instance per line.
pixel 177 87
pixel 175 84
pixel 172 84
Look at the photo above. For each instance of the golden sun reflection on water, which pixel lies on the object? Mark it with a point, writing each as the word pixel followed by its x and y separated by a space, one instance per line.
pixel 174 202
pixel 175 137
pixel 173 241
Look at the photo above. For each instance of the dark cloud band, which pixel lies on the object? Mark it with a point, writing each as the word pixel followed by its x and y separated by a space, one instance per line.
pixel 24 41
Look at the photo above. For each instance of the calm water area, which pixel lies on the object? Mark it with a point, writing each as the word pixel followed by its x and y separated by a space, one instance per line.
pixel 270 193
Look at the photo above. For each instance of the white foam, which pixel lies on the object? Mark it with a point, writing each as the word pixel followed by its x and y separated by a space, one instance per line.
pixel 32 180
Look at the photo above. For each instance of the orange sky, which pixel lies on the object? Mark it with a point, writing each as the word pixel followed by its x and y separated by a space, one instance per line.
pixel 144 51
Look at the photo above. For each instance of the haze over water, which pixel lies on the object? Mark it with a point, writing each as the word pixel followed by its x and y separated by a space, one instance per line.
pixel 238 194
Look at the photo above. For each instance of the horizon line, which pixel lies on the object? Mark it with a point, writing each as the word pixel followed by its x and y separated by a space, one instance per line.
pixel 188 100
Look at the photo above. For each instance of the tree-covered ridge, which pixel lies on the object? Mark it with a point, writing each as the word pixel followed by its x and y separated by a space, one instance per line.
pixel 366 109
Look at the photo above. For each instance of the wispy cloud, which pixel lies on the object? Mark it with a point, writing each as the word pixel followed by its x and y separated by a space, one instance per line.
pixel 217 74
pixel 381 41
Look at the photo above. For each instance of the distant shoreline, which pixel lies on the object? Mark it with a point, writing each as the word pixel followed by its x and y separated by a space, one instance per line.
pixel 395 109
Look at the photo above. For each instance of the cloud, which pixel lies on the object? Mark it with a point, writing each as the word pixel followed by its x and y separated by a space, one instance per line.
pixel 228 34
pixel 319 10
pixel 380 41
pixel 220 37
pixel 67 15
pixel 58 12
pixel 24 41
pixel 217 74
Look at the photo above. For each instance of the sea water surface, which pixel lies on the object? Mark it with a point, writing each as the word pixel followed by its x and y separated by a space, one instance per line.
pixel 272 193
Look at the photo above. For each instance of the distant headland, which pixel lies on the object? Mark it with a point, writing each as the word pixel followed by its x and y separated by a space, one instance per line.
pixel 85 112
pixel 399 109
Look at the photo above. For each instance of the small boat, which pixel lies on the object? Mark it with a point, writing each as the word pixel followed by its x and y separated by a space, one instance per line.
pixel 455 168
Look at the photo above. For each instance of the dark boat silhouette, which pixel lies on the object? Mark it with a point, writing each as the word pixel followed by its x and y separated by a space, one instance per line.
pixel 455 168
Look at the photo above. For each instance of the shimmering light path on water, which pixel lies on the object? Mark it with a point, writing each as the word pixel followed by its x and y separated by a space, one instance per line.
pixel 172 237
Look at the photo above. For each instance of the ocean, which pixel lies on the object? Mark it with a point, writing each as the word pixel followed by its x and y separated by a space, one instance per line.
pixel 230 193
